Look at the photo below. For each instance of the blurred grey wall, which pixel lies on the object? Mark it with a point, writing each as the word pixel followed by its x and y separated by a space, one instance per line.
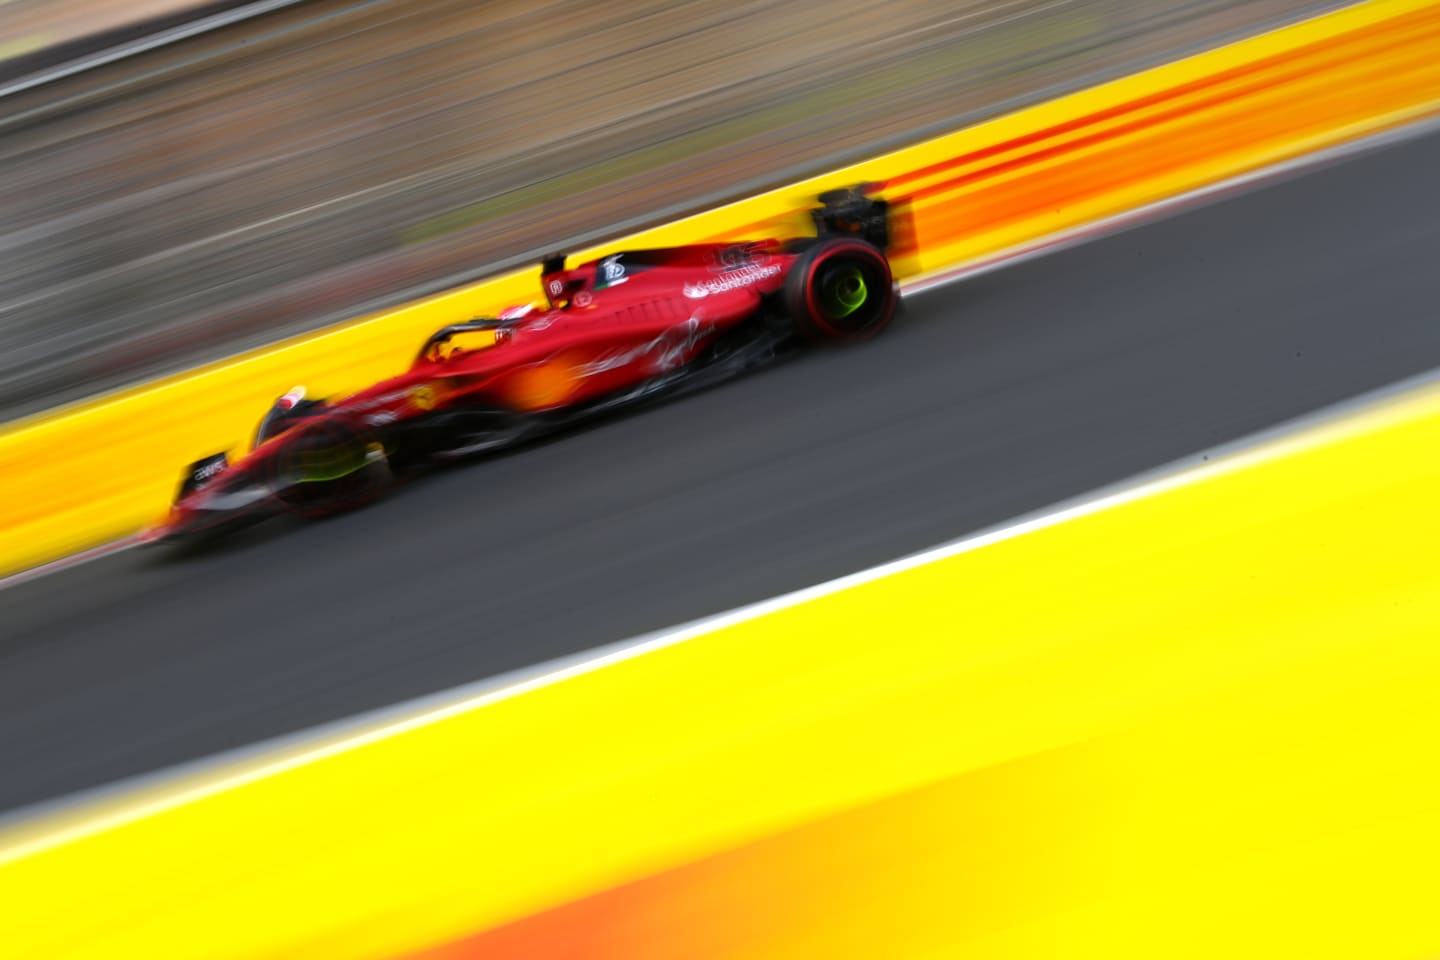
pixel 349 153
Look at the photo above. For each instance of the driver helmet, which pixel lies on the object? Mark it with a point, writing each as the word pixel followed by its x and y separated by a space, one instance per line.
pixel 558 283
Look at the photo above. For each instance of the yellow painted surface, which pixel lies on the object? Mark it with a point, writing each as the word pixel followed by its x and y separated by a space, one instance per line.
pixel 1283 805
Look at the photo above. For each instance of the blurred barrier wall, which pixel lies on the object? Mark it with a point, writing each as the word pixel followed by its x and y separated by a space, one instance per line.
pixel 28 27
pixel 1116 765
pixel 343 156
pixel 75 39
pixel 102 470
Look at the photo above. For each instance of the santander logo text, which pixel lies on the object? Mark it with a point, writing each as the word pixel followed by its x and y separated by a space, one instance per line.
pixel 743 277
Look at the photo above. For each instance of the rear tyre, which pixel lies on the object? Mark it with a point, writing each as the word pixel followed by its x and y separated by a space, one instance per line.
pixel 841 290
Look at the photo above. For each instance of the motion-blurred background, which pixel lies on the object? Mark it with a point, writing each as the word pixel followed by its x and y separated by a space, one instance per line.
pixel 313 160
pixel 1187 719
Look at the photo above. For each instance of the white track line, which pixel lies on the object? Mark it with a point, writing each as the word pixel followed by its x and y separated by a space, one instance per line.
pixel 74 560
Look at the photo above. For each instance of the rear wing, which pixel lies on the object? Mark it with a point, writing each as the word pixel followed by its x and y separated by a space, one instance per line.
pixel 850 211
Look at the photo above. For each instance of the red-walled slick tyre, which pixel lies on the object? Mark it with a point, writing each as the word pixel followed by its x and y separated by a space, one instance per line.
pixel 841 290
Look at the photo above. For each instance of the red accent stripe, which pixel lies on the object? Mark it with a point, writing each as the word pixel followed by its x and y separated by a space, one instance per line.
pixel 1093 176
pixel 1399 25
pixel 1178 113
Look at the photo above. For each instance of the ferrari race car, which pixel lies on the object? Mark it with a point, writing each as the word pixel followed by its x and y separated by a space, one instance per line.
pixel 610 333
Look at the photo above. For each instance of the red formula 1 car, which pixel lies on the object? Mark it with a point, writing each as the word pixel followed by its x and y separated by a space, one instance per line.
pixel 612 332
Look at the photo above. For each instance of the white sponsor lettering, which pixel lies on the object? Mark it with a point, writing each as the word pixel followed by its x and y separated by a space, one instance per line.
pixel 743 277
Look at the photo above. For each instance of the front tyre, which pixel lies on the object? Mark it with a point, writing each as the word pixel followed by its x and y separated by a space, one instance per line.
pixel 329 468
pixel 841 290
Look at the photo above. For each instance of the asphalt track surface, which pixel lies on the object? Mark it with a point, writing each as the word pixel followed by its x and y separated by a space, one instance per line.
pixel 992 398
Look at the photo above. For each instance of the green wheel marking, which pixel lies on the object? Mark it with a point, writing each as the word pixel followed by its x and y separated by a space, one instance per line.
pixel 848 292
pixel 327 464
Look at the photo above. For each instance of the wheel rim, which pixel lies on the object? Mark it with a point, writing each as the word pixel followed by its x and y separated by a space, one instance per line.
pixel 844 292
pixel 332 468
